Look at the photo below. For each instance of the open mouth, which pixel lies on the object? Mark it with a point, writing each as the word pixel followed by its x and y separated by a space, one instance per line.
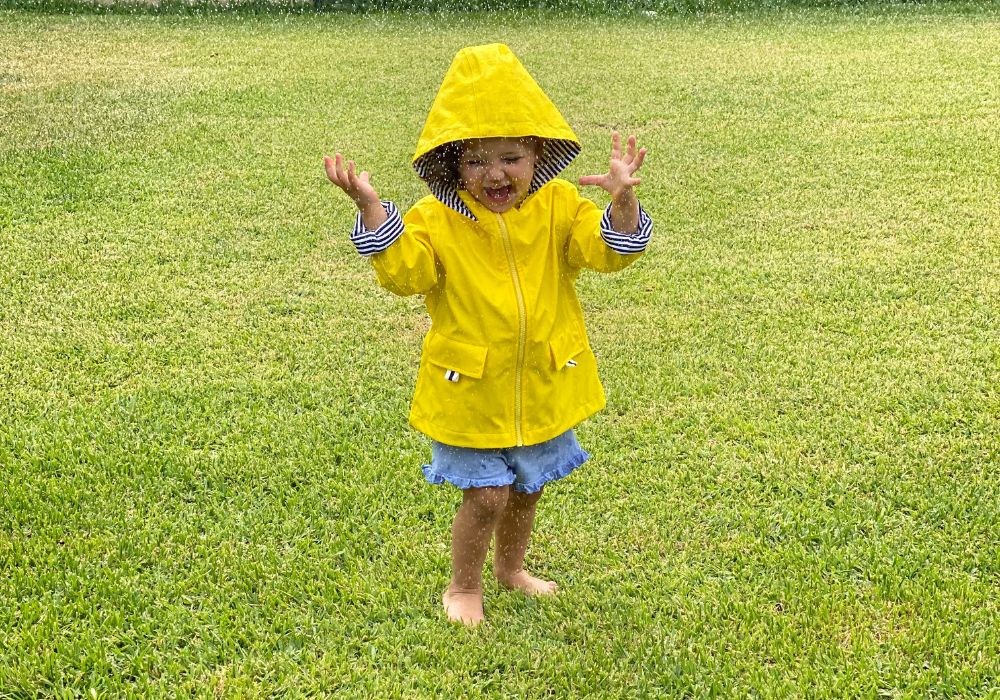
pixel 498 194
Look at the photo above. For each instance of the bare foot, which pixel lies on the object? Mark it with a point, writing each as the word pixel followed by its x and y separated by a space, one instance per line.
pixel 462 605
pixel 527 584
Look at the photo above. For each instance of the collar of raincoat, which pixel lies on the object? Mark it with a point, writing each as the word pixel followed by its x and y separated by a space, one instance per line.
pixel 488 93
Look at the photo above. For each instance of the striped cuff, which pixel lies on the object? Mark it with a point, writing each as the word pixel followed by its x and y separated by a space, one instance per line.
pixel 371 242
pixel 626 243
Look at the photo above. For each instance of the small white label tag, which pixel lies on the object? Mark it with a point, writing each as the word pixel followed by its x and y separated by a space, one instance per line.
pixel 571 363
pixel 451 375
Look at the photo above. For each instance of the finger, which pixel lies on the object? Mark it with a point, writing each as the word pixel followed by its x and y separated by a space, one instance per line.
pixel 344 173
pixel 591 180
pixel 637 163
pixel 330 169
pixel 335 171
pixel 616 145
pixel 341 174
pixel 631 148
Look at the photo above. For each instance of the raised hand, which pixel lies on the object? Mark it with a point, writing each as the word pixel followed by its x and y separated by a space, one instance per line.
pixel 619 178
pixel 358 187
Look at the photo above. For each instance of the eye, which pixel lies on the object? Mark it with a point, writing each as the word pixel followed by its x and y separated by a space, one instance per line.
pixel 511 159
pixel 472 163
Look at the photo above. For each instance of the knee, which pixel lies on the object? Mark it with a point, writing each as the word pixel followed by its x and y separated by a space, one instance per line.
pixel 486 504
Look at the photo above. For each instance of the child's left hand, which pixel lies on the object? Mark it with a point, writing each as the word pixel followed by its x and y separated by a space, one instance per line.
pixel 619 179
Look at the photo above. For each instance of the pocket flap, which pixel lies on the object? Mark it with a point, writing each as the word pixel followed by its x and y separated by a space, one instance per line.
pixel 566 345
pixel 468 360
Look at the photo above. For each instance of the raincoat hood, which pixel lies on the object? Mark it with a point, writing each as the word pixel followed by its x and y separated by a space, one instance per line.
pixel 488 93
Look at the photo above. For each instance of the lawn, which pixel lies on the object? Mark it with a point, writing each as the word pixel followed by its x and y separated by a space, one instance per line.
pixel 207 484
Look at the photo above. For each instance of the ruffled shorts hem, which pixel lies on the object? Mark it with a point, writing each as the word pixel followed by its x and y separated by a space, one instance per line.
pixel 554 474
pixel 463 483
pixel 575 460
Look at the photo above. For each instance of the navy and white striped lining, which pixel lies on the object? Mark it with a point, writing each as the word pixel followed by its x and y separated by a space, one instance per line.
pixel 371 242
pixel 556 155
pixel 626 243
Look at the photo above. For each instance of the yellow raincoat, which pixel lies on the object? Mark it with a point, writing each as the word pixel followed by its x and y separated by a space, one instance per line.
pixel 506 361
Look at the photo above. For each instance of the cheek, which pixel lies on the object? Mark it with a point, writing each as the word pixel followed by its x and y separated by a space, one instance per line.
pixel 467 176
pixel 523 172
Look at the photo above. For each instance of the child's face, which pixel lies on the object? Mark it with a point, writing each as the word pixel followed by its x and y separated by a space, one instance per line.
pixel 497 172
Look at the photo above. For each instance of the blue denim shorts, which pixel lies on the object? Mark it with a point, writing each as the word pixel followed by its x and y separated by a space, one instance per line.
pixel 528 468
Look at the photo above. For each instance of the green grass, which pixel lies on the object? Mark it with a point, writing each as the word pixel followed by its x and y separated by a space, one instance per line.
pixel 207 485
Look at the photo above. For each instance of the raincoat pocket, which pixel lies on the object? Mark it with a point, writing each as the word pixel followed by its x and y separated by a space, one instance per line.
pixel 565 346
pixel 467 360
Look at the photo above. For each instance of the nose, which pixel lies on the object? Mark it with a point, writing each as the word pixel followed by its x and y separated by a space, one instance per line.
pixel 494 171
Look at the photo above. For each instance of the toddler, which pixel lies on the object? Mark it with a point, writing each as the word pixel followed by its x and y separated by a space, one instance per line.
pixel 506 369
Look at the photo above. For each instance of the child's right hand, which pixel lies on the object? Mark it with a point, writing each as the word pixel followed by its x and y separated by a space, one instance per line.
pixel 358 188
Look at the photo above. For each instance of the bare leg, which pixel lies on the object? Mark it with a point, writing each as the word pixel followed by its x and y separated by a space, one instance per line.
pixel 471 533
pixel 513 533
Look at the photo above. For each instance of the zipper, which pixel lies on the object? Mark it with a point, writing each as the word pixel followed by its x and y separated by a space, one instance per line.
pixel 522 317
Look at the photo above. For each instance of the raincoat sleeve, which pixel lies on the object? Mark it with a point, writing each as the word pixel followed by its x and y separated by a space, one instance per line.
pixel 594 244
pixel 408 264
